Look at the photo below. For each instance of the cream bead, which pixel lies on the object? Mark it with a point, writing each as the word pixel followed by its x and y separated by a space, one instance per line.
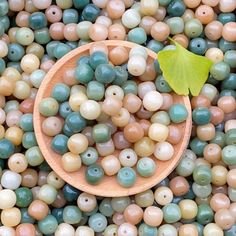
pixel 90 109
pixel 10 217
pixel 71 162
pixel 128 157
pixel 212 229
pixel 111 165
pixel 84 230
pixel 136 65
pixel 131 18
pixel 214 54
pixel 77 143
pixel 138 51
pixel 7 199
pixel 64 229
pixel 22 90
pixel 163 195
pixel 42 4
pixel 3 48
pixel 158 132
pixel 115 91
pixel 122 118
pixel 164 151
pixel 76 99
pixel 29 63
pixel 230 124
pixel 152 101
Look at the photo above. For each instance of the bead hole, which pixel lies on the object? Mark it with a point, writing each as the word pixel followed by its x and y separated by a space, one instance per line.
pixel 128 157
pixel 86 199
pixel 89 155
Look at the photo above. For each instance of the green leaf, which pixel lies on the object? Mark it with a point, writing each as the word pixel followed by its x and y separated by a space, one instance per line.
pixel 184 70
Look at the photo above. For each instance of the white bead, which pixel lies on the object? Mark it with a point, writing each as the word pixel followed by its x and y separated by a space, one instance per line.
pixel 7 199
pixel 164 151
pixel 7 231
pixel 64 229
pixel 131 18
pixel 115 91
pixel 152 101
pixel 138 51
pixel 11 180
pixel 84 231
pixel 136 65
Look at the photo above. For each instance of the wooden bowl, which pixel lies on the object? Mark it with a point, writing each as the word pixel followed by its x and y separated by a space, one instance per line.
pixel 109 186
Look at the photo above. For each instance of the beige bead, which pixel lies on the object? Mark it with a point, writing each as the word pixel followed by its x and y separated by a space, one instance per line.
pixel 71 162
pixel 77 143
pixel 212 229
pixel 11 217
pixel 84 230
pixel 158 132
pixel 29 63
pixel 164 151
pixel 90 109
pixel 214 54
pixel 76 99
pixel 3 48
pixel 111 165
pixel 7 199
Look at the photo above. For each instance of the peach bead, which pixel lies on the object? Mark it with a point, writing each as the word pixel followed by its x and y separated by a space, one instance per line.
pixel 227 104
pixel 146 23
pixel 227 5
pixel 70 32
pixel 175 134
pixel 47 65
pixel 160 13
pixel 111 165
pixel 153 216
pixel 133 132
pixel 213 30
pixel 145 125
pixel 122 118
pixel 25 229
pixel 205 14
pixel 10 217
pixel 100 3
pixel 188 229
pixel 150 73
pixel 98 32
pixel 132 103
pixel 224 219
pixel 231 178
pixel 145 87
pixel 188 15
pixel 206 132
pixel 16 5
pixel 118 55
pixel 179 186
pixel 38 209
pixel 167 101
pixel 111 106
pixel 133 214
pixel 98 46
pixel 42 4
pixel 116 32
pixel 22 19
pixel 181 39
pixel 53 13
pixel 192 3
pixel 230 124
pixel 56 31
pixel 30 7
pixel 160 31
pixel 77 143
pixel 217 115
pixel 115 8
pixel 219 201
pixel 232 209
pixel 212 153
pixel 211 3
pixel 214 54
pixel 104 20
pixel 229 31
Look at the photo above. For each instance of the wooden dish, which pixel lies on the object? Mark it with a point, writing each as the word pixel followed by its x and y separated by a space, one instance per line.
pixel 109 186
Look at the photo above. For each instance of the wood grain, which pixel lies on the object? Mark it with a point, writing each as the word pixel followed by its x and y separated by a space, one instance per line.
pixel 109 186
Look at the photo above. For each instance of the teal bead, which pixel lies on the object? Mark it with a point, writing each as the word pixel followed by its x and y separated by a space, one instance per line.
pixel 37 20
pixel 64 109
pixel 29 140
pixel 202 175
pixel 226 18
pixel 130 87
pixel 229 82
pixel 176 25
pixel 201 116
pixel 11 106
pixel 121 75
pixel 15 52
pixel 45 167
pixel 70 16
pixel 137 35
pixel 220 70
pixel 146 230
pixel 84 73
pixel 228 92
pixel 155 45
pixel 211 44
pixel 97 58
pixel 185 167
pixel 89 157
pixel 126 177
pixel 75 122
pixel 72 44
pixel 231 231
pixel 95 90
pixel 67 131
pixel 84 220
pixel 190 194
pixel 6 22
pixel 2 65
pixel 58 213
pixel 226 45
pixel 105 207
pixel 119 204
pixel 2 30
pixel 230 137
pixel 60 92
pixel 24 197
pixel 101 133
pixel 193 28
pixel 198 46
pixel 90 12
pixel 4 7
pixel 70 193
pixel 229 155
pixel 212 81
pixel 171 213
pixel 48 225
pixel 199 228
pixel 230 58
pixel 176 200
pixel 164 2
pixel 80 4
pixel 72 215
pixel 97 222
pixel 219 139
pixel 6 148
pixel 59 144
pixel 42 36
pixel 60 50
pixel 201 191
pixel 25 217
pixel 26 122
pixel 219 127
pixel 197 146
pixel 146 167
pixel 105 73
pixel 157 66
pixel 83 60
pixel 50 48
pixel 178 113
pixel 162 85
pixel 94 174
pixel 34 156
pixel 176 8
pixel 205 214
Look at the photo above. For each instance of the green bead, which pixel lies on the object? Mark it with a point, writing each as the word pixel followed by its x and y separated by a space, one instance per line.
pixel 50 48
pixel 95 90
pixel 84 73
pixel 111 230
pixel 97 222
pixel 2 31
pixel 146 167
pixel 11 106
pixel 205 214
pixel 164 2
pixel 171 213
pixel 59 144
pixel 202 175
pixel 137 35
pixel 219 139
pixel 97 58
pixel 201 191
pixel 37 20
pixel 146 230
pixel 119 204
pixel 230 137
pixel 105 73
pixel 230 58
pixel 197 146
pixel 126 177
pixel 15 52
pixel 121 75
pixel 89 157
pixel 80 4
pixel 48 107
pixel 58 213
pixel 70 16
pixel 220 70
pixel 155 45
pixel 2 65
pixel 130 87
pixel 4 7
pixel 231 231
pixel 201 116
pixel 70 193
pixel 190 194
pixel 94 174
pixel 176 8
pixel 29 140
pixel 198 46
pixel 90 12
pixel 228 92
pixel 176 25
pixel 24 36
pixel 34 156
pixel 37 77
pixel 161 117
pixel 212 81
pixel 229 155
pixel 45 167
pixel 101 133
pixel 75 122
pixel 60 50
pixel 60 92
pixel 6 148
pixel 193 28
pixel 26 122
pixel 105 207
pixel 42 36
pixel 226 18
pixel 185 167
pixel 161 85
pixel 25 217
pixel 226 45
pixel 48 225
pixel 72 215
pixel 6 22
pixel 229 82
pixel 178 113
pixel 24 197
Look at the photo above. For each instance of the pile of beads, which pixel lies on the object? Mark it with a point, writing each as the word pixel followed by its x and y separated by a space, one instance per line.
pixel 117 113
